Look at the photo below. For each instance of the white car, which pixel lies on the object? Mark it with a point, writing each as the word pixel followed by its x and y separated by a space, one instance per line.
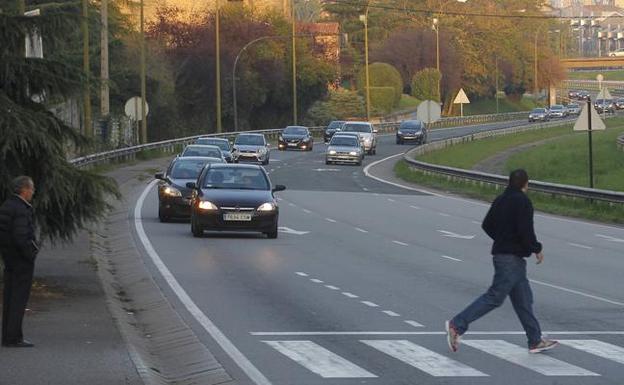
pixel 617 52
pixel 366 132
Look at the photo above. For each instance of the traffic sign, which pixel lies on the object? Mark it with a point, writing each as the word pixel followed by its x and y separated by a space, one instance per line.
pixel 429 111
pixel 134 108
pixel 461 99
pixel 582 123
pixel 604 94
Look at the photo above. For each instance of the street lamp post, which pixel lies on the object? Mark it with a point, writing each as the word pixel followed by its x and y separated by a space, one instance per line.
pixel 364 18
pixel 294 62
pixel 535 69
pixel 218 65
pixel 437 31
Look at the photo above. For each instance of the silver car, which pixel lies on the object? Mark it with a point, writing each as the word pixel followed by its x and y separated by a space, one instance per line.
pixel 251 148
pixel 366 132
pixel 558 111
pixel 574 108
pixel 344 149
pixel 540 114
pixel 203 150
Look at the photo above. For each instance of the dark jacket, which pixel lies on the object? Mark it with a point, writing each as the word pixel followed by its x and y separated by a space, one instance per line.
pixel 509 222
pixel 17 230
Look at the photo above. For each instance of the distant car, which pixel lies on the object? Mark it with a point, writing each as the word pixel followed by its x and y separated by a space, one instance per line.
pixel 574 109
pixel 411 130
pixel 583 95
pixel 604 105
pixel 331 129
pixel 344 149
pixel 573 94
pixel 617 52
pixel 366 132
pixel 251 148
pixel 557 111
pixel 234 197
pixel 539 114
pixel 202 150
pixel 295 137
pixel 222 143
pixel 619 103
pixel 174 198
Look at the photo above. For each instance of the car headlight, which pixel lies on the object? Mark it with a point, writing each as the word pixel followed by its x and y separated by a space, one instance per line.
pixel 206 205
pixel 332 152
pixel 353 153
pixel 306 139
pixel 400 132
pixel 172 191
pixel 269 206
pixel 367 140
pixel 262 150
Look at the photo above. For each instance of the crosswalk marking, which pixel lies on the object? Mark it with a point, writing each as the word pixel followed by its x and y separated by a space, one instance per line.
pixel 319 360
pixel 597 348
pixel 540 363
pixel 424 359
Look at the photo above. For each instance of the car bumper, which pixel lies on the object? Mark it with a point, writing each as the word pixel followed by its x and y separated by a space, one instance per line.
pixel 557 115
pixel 293 146
pixel 175 207
pixel 406 137
pixel 536 118
pixel 214 221
pixel 343 158
pixel 250 157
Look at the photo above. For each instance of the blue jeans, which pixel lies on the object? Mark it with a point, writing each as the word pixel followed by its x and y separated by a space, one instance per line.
pixel 510 279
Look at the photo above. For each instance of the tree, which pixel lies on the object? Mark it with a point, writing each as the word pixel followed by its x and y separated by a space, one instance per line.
pixel 382 75
pixel 425 84
pixel 340 105
pixel 33 141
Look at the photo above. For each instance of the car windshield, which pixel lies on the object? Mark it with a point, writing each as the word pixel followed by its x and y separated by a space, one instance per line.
pixel 188 168
pixel 539 110
pixel 224 145
pixel 410 126
pixel 249 140
pixel 344 141
pixel 295 131
pixel 573 105
pixel 335 124
pixel 601 101
pixel 200 150
pixel 235 178
pixel 356 127
pixel 557 107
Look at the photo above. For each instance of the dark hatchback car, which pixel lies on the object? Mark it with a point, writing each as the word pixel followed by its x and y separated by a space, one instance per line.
pixel 331 129
pixel 234 197
pixel 222 143
pixel 174 198
pixel 411 131
pixel 296 138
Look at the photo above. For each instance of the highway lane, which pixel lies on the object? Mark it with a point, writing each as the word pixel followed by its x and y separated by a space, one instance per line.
pixel 376 258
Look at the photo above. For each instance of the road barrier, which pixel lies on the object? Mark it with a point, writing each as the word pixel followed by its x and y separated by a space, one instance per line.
pixel 611 197
pixel 454 121
pixel 620 142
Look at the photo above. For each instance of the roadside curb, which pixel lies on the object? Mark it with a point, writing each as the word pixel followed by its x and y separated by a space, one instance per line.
pixel 163 347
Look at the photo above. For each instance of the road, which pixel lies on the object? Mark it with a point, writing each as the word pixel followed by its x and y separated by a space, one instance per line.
pixel 358 285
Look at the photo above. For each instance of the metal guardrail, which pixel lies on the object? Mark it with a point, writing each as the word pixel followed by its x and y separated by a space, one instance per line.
pixel 499 180
pixel 454 121
pixel 620 142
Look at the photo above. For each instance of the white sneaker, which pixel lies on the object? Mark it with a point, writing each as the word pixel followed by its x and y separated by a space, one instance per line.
pixel 543 346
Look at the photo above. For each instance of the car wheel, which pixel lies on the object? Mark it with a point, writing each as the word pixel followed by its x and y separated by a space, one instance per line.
pixel 196 228
pixel 265 162
pixel 359 163
pixel 374 150
pixel 328 162
pixel 161 216
pixel 272 234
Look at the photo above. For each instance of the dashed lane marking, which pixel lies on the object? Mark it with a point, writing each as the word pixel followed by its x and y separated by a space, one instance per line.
pixel 331 287
pixel 361 230
pixel 414 324
pixel 451 258
pixel 400 243
pixel 369 303
pixel 330 220
pixel 580 246
pixel 301 274
pixel 391 313
pixel 316 280
pixel 350 295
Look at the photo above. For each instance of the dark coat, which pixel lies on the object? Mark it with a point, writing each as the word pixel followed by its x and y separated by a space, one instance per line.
pixel 509 222
pixel 17 231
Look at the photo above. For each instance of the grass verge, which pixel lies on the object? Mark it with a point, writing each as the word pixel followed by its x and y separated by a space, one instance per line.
pixel 591 75
pixel 488 106
pixel 577 208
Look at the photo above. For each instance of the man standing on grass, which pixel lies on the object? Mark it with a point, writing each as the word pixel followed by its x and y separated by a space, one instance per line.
pixel 19 249
pixel 509 222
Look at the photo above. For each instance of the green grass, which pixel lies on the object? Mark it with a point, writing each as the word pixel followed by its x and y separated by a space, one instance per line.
pixel 468 154
pixel 488 106
pixel 407 102
pixel 578 208
pixel 591 75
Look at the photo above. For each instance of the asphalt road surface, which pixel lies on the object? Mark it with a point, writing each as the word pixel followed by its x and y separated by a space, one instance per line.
pixel 358 285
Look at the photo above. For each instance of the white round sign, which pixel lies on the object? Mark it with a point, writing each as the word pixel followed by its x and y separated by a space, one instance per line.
pixel 429 111
pixel 599 77
pixel 134 108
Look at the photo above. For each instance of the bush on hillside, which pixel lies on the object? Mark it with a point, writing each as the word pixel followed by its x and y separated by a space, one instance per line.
pixel 425 84
pixel 382 75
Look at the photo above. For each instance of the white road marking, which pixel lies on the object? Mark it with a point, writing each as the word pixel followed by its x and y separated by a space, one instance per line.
pixel 376 194
pixel 368 174
pixel 299 273
pixel 415 207
pixel 316 280
pixel 364 189
pixel 391 313
pixel 272 170
pixel 597 348
pixel 451 258
pixel 288 230
pixel 350 295
pixel 400 243
pixel 391 200
pixel 369 303
pixel 444 214
pixel 424 359
pixel 580 246
pixel 327 169
pixel 414 324
pixel 307 211
pixel 332 287
pixel 515 354
pixel 577 292
pixel 361 230
pixel 319 360
pixel 477 223
pixel 230 349
pixel 406 333
pixel 330 220
pixel 451 234
pixel 610 238
pixel 291 204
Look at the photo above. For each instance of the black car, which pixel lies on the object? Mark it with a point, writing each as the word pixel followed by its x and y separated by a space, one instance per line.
pixel 222 143
pixel 573 94
pixel 604 105
pixel 411 130
pixel 202 150
pixel 583 95
pixel 619 103
pixel 296 138
pixel 234 197
pixel 331 129
pixel 174 198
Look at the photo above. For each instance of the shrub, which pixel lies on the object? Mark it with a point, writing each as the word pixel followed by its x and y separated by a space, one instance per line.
pixel 425 84
pixel 382 75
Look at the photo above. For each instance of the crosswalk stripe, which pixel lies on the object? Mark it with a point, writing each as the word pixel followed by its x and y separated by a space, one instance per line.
pixel 423 359
pixel 515 354
pixel 319 360
pixel 597 348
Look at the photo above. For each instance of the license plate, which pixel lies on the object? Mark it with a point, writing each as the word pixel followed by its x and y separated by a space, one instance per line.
pixel 186 201
pixel 292 144
pixel 241 217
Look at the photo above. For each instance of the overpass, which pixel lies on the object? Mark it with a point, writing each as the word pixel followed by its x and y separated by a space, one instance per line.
pixel 593 62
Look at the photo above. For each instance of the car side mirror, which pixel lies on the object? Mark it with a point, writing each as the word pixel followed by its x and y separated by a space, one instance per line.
pixel 191 185
pixel 375 131
pixel 159 175
pixel 268 144
pixel 279 187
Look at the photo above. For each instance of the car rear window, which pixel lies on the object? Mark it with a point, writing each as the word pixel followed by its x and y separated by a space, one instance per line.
pixel 209 152
pixel 187 169
pixel 224 145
